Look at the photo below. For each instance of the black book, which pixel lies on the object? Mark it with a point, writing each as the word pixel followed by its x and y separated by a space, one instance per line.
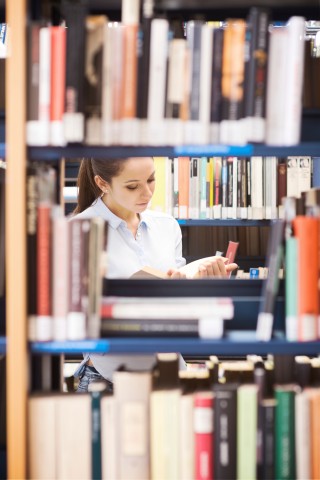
pixel 266 470
pixel 32 218
pixel 144 35
pixel 256 71
pixel 225 428
pixel 271 284
pixel 74 13
pixel 216 93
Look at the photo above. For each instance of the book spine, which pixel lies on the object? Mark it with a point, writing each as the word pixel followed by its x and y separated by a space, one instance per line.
pixel 60 285
pixel 216 92
pixel 267 427
pixel 225 430
pixel 32 214
pixel 75 17
pixel 306 231
pixel 95 27
pixel 129 86
pixel 284 434
pixel 96 453
pixel 246 431
pixel 204 441
pixel 303 422
pixel 183 182
pixel 143 48
pixel 58 80
pixel 291 289
pixel 44 305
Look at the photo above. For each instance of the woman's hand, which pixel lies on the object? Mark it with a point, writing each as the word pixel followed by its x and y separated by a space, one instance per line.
pixel 175 273
pixel 215 267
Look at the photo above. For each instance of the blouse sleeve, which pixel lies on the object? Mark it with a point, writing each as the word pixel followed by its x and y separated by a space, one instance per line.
pixel 180 260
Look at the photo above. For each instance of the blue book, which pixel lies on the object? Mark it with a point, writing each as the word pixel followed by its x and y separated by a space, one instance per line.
pixel 254 272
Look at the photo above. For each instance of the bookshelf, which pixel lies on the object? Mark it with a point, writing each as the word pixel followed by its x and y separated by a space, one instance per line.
pixel 16 153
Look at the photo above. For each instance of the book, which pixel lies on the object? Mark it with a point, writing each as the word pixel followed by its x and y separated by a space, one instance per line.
pixel 246 431
pixel 132 397
pixel 267 465
pixel 271 284
pixel 285 432
pixel 94 47
pixel 204 435
pixel 303 450
pixel 225 431
pixel 306 231
pixel 256 60
pixel 58 82
pixel 164 418
pixel 166 307
pixel 74 14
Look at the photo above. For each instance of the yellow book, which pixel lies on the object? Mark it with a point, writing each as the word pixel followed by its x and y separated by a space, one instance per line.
pixel 159 200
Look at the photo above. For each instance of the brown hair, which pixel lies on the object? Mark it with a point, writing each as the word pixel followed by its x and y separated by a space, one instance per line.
pixel 88 190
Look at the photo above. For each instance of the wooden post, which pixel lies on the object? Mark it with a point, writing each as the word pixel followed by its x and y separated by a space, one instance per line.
pixel 16 240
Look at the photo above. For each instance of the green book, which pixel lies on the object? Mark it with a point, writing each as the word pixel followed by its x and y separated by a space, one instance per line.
pixel 285 467
pixel 96 390
pixel 291 288
pixel 247 411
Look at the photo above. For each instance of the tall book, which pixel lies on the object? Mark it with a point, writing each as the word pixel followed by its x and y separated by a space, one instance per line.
pixel 157 81
pixel 231 130
pixel 74 14
pixel 306 231
pixel 130 21
pixel 256 60
pixel 32 214
pixel 225 431
pixel 271 284
pixel 58 84
pixel 204 434
pixel 285 432
pixel 39 84
pixel 247 402
pixel 95 25
pixel 216 92
pixel 164 418
pixel 132 396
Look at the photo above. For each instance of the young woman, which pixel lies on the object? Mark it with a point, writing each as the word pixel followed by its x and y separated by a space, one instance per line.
pixel 119 191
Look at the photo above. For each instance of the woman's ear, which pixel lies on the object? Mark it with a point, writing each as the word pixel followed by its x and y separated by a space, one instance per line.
pixel 101 183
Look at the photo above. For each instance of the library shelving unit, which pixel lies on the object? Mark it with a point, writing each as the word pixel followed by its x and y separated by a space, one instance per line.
pixel 17 153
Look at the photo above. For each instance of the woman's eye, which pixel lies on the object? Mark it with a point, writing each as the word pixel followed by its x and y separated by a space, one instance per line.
pixel 151 180
pixel 132 188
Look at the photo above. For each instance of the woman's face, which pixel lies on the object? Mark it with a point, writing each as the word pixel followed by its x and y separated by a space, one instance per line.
pixel 132 190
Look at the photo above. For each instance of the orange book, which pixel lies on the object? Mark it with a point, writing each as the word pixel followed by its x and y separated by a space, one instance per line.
pixel 306 231
pixel 58 83
pixel 183 183
pixel 129 85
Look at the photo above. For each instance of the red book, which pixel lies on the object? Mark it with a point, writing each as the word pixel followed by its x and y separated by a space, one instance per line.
pixel 203 429
pixel 43 322
pixel 58 84
pixel 231 252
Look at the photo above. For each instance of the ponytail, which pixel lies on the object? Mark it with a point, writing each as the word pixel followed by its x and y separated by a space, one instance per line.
pixel 88 190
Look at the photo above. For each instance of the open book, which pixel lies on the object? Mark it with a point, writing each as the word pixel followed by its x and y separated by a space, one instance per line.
pixel 190 270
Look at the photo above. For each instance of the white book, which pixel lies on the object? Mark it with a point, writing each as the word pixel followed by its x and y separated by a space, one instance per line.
pixel 235 187
pixel 157 81
pixel 164 434
pixel 294 70
pixel 175 187
pixel 303 434
pixel 69 409
pixel 258 211
pixel 175 94
pixel 60 270
pixel 304 174
pixel 276 84
pixel 293 189
pixel 132 395
pixel 187 463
